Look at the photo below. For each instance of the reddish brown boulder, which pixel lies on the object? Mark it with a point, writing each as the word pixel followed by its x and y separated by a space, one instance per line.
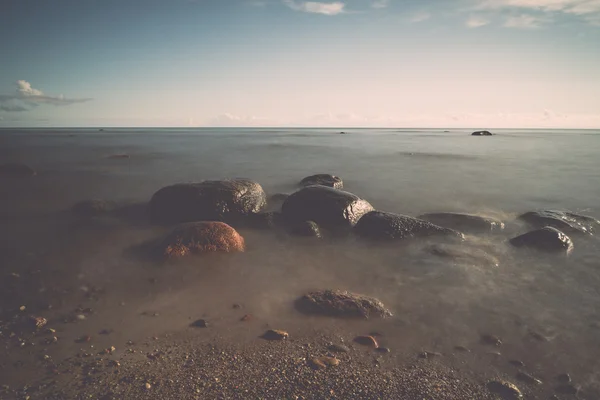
pixel 201 237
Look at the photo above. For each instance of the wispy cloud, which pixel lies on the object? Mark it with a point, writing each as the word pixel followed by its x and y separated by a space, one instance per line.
pixel 26 97
pixel 476 21
pixel 420 17
pixel 524 21
pixel 380 3
pixel 588 10
pixel 315 7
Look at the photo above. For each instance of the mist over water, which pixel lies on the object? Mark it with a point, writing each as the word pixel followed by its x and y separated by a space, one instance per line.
pixel 438 302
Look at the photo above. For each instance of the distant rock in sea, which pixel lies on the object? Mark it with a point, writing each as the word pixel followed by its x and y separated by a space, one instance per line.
pixel 482 133
pixel 378 225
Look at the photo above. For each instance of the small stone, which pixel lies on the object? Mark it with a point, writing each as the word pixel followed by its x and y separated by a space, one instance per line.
pixel 462 349
pixel 275 334
pixel 567 389
pixel 517 363
pixel 80 317
pixel 338 348
pixel 50 330
pixel 429 354
pixel 491 340
pixel 366 341
pixel 201 323
pixel 148 386
pixel 246 318
pixel 22 308
pixel 236 306
pixel 323 362
pixel 564 378
pixel 382 350
pixel 505 389
pixel 38 322
pixel 524 377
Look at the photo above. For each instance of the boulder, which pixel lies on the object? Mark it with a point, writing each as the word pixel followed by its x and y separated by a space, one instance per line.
pixel 338 303
pixel 225 200
pixel 305 228
pixel 325 206
pixel 482 133
pixel 16 170
pixel 201 237
pixel 547 239
pixel 563 220
pixel 324 180
pixel 463 222
pixel 380 225
pixel 91 208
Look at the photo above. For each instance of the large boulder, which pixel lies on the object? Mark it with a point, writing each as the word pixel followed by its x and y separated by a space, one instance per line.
pixel 201 237
pixel 338 303
pixel 16 170
pixel 463 222
pixel 324 180
pixel 546 239
pixel 381 225
pixel 226 200
pixel 325 206
pixel 563 220
pixel 482 133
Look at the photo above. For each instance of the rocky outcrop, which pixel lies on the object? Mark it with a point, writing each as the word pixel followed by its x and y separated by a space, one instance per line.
pixel 226 200
pixel 201 237
pixel 324 180
pixel 563 220
pixel 338 303
pixel 380 225
pixel 325 206
pixel 546 239
pixel 463 222
pixel 482 133
pixel 16 170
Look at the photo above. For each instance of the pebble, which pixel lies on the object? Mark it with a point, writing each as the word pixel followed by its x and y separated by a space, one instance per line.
pixel 323 362
pixel 429 354
pixel 338 348
pixel 246 318
pixel 80 317
pixel 491 340
pixel 505 389
pixel 201 323
pixel 38 322
pixel 524 377
pixel 517 363
pixel 148 386
pixel 462 349
pixel 275 334
pixel 564 378
pixel 366 341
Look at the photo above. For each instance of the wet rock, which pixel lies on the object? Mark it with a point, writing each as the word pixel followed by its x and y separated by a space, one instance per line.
pixel 491 340
pixel 201 237
pixel 462 253
pixel 91 208
pixel 463 222
pixel 546 239
pixel 16 170
pixel 323 362
pixel 226 200
pixel 524 377
pixel 482 133
pixel 341 304
pixel 505 389
pixel 325 206
pixel 200 323
pixel 323 180
pixel 567 389
pixel 275 334
pixel 516 363
pixel 338 348
pixel 37 322
pixel 380 225
pixel 367 341
pixel 305 228
pixel 563 378
pixel 564 221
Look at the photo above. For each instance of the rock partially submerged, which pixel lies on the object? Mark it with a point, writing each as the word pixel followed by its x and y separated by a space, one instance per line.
pixel 546 239
pixel 201 237
pixel 338 303
pixel 224 200
pixel 563 220
pixel 323 180
pixel 306 229
pixel 462 254
pixel 463 222
pixel 482 133
pixel 325 206
pixel 381 225
pixel 16 170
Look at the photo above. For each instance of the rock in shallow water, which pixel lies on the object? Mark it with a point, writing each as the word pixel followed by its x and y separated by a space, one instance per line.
pixel 563 220
pixel 306 229
pixel 546 239
pixel 463 222
pixel 380 225
pixel 324 180
pixel 339 303
pixel 326 206
pixel 482 133
pixel 224 200
pixel 201 237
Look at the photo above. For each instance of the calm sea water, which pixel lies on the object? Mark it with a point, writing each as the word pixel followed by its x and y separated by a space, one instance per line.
pixel 438 303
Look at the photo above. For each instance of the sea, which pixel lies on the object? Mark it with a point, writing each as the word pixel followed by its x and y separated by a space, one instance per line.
pixel 544 308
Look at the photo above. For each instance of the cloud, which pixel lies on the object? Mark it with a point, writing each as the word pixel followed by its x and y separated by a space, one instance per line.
pixel 524 21
pixel 232 120
pixel 380 3
pixel 26 97
pixel 420 17
pixel 315 7
pixel 588 10
pixel 475 21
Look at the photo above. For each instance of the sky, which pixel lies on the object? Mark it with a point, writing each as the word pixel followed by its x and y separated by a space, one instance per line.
pixel 347 63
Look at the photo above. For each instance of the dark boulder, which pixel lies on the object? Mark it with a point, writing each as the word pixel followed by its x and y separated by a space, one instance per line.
pixel 324 180
pixel 201 237
pixel 325 206
pixel 226 200
pixel 92 208
pixel 463 222
pixel 547 239
pixel 563 220
pixel 380 225
pixel 16 170
pixel 482 133
pixel 305 228
pixel 340 303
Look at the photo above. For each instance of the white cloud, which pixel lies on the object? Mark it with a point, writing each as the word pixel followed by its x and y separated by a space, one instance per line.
pixel 420 17
pixel 524 21
pixel 588 10
pixel 25 89
pixel 380 3
pixel 475 21
pixel 26 97
pixel 315 7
